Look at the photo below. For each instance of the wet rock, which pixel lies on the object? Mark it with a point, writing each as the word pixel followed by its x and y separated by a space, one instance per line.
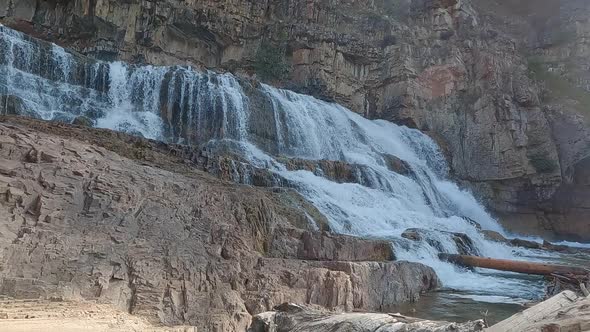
pixel 465 245
pixel 412 234
pixel 12 105
pixel 494 236
pixel 83 121
pixel 463 242
pixel 472 222
pixel 525 244
pixel 397 165
pixel 566 249
pixel 334 170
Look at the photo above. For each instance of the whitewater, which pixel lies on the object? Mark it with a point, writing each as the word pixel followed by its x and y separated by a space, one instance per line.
pixel 180 104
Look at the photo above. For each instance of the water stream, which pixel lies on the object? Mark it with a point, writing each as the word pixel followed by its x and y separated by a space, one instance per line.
pixel 266 126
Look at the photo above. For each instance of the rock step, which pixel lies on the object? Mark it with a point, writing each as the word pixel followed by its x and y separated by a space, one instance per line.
pixel 323 246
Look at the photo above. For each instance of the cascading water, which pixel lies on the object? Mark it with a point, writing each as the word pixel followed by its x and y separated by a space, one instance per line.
pixel 267 125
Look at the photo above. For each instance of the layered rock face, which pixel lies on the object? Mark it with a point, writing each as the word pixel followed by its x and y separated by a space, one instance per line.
pixel 552 37
pixel 130 222
pixel 457 69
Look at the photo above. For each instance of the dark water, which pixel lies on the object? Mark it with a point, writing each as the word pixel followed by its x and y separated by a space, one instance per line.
pixel 457 306
pixel 451 306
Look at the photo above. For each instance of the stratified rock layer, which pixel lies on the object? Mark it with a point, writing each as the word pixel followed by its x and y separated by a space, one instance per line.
pixel 154 236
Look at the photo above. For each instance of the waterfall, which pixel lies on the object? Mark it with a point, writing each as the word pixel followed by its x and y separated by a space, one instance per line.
pixel 267 126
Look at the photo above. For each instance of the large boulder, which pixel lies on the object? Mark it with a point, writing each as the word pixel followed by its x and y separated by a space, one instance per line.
pixel 325 246
pixel 462 241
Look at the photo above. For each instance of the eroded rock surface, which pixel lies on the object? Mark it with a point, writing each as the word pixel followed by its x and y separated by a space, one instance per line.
pixel 142 229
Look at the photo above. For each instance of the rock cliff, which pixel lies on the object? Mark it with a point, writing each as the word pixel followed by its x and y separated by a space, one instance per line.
pixel 96 215
pixel 501 85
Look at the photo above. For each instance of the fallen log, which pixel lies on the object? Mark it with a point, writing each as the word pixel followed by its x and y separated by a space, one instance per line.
pixel 564 312
pixel 513 266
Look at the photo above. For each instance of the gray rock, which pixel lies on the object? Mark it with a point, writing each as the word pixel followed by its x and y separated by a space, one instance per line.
pixel 83 121
pixel 463 242
pixel 12 105
pixel 293 317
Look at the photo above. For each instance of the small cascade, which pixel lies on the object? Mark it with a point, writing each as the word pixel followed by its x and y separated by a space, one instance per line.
pixel 273 130
pixel 173 104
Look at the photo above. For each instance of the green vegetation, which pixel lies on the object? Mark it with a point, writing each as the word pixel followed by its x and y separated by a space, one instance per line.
pixel 558 87
pixel 270 62
pixel 542 163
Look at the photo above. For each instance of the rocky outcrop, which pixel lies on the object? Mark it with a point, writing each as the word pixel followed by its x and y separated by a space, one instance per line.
pixel 292 317
pixel 463 242
pixel 296 243
pixel 552 37
pixel 102 216
pixel 12 105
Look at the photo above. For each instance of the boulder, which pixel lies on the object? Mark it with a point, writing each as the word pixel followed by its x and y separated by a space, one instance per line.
pixel 334 170
pixel 325 246
pixel 397 165
pixel 12 105
pixel 83 121
pixel 463 242
pixel 525 244
pixel 497 237
pixel 494 236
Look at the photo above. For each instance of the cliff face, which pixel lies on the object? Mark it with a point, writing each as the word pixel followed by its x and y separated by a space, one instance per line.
pixel 473 74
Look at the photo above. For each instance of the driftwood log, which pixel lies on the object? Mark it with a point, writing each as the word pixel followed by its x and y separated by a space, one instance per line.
pixel 514 266
pixel 565 311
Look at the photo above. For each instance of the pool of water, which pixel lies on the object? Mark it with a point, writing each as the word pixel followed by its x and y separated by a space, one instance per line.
pixel 460 305
pixel 449 305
